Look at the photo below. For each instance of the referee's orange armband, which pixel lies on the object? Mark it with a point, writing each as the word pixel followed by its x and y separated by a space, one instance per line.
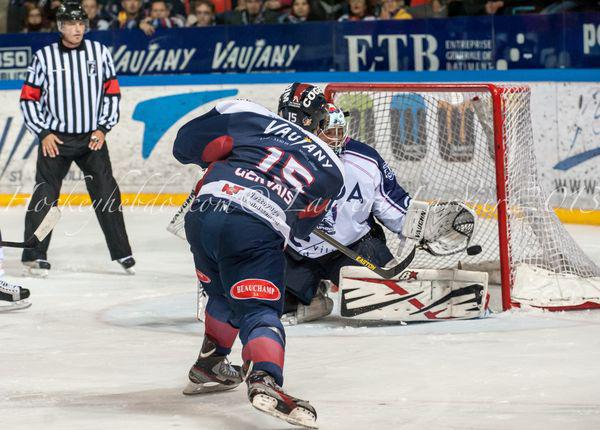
pixel 30 92
pixel 111 87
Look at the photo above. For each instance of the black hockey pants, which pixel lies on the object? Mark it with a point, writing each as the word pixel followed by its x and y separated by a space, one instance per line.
pixel 100 183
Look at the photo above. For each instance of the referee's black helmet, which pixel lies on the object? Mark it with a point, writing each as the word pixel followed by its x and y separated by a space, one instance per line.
pixel 71 11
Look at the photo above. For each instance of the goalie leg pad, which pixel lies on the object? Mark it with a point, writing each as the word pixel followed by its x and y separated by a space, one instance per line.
pixel 414 295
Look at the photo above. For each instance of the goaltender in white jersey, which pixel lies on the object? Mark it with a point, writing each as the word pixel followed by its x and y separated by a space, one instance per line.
pixel 373 193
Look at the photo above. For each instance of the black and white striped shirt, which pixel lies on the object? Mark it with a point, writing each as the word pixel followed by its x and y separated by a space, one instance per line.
pixel 71 90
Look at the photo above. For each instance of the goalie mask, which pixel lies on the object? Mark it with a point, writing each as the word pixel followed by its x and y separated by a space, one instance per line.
pixel 304 105
pixel 335 130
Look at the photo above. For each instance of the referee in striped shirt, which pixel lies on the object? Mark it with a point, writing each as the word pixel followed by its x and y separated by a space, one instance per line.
pixel 70 100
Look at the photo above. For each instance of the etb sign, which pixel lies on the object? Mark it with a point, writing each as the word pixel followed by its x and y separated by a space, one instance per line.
pixel 15 57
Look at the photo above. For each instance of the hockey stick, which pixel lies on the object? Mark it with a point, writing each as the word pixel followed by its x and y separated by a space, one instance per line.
pixel 177 224
pixel 392 271
pixel 41 232
pixel 176 227
pixel 384 273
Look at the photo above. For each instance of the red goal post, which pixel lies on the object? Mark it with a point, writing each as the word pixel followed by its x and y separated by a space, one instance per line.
pixel 474 142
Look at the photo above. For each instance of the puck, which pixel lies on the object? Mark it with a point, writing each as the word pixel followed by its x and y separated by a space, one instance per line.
pixel 474 250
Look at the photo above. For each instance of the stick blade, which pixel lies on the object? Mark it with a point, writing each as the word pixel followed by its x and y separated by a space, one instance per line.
pixel 177 224
pixel 48 224
pixel 399 268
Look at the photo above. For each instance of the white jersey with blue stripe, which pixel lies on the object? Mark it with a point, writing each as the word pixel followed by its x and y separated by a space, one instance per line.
pixel 370 188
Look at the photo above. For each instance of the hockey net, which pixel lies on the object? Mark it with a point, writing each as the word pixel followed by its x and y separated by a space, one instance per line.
pixel 474 143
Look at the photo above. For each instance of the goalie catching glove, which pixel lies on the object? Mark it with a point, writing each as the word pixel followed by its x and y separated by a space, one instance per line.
pixel 441 228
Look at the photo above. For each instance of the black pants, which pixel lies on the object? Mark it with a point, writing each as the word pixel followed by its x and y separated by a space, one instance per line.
pixel 303 274
pixel 100 183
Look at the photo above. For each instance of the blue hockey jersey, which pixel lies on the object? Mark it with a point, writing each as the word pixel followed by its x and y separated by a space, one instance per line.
pixel 371 189
pixel 262 163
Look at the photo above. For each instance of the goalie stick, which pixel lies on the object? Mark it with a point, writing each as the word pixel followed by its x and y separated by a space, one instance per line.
pixel 392 271
pixel 384 273
pixel 43 230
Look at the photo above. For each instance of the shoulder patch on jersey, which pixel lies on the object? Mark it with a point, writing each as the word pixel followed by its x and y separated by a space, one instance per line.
pixel 259 289
pixel 387 171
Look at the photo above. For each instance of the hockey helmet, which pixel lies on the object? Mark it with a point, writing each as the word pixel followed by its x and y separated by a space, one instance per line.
pixel 335 129
pixel 71 11
pixel 304 105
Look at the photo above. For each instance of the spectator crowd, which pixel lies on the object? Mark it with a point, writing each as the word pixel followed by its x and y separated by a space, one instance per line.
pixel 148 15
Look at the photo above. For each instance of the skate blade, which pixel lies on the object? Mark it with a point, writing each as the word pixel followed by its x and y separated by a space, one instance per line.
pixel 35 273
pixel 208 387
pixel 299 416
pixel 130 271
pixel 15 306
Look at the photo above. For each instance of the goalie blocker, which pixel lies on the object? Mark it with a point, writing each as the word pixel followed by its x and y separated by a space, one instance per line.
pixel 413 295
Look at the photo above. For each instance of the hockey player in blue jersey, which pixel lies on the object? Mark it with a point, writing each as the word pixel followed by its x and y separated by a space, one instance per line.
pixel 268 179
pixel 371 191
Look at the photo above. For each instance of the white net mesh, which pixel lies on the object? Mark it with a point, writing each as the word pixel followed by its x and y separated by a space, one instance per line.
pixel 440 142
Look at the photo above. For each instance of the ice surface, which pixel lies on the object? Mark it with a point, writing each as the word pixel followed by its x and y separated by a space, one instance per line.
pixel 102 350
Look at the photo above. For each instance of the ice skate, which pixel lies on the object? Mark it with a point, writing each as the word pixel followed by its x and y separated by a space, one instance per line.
pixel 36 268
pixel 212 372
pixel 12 297
pixel 266 396
pixel 320 306
pixel 127 264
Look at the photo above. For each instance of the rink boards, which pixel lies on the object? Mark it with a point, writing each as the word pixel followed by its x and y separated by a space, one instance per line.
pixel 565 117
